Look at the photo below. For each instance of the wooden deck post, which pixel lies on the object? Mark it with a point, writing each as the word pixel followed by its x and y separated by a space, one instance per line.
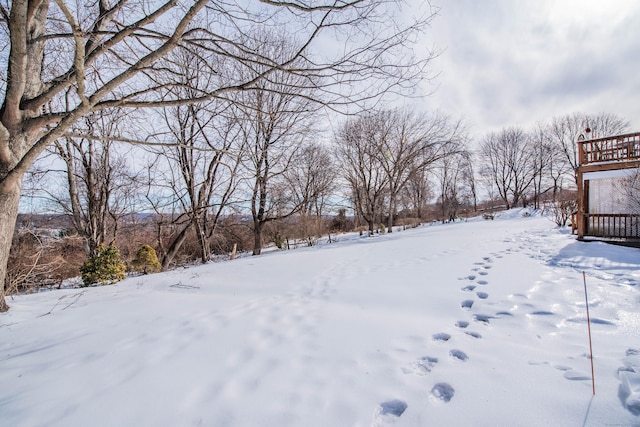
pixel 582 205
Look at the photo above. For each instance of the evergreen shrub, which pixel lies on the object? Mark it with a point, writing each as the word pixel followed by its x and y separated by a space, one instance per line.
pixel 146 260
pixel 104 267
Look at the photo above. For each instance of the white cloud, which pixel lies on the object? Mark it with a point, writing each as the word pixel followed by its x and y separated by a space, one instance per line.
pixel 516 63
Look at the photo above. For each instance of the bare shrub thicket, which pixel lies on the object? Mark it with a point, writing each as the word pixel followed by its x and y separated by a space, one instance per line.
pixel 299 230
pixel 563 207
pixel 40 260
pixel 136 230
pixel 340 223
pixel 233 231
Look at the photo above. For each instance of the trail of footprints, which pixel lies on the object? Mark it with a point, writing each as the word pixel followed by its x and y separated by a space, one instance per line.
pixel 475 292
pixel 443 392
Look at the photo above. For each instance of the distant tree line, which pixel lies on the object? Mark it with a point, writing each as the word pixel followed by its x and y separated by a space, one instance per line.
pixel 521 167
pixel 243 173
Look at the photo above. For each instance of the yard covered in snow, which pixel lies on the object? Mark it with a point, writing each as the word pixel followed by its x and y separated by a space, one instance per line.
pixel 473 323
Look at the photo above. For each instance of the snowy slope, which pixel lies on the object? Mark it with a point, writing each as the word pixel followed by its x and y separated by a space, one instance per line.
pixel 478 323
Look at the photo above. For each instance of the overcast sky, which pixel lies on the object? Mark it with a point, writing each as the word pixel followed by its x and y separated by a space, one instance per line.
pixel 507 62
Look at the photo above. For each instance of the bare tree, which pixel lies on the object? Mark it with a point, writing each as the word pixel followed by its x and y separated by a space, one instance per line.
pixel 66 60
pixel 383 151
pixel 469 179
pixel 456 181
pixel 357 152
pixel 488 183
pixel 311 179
pixel 558 171
pixel 417 193
pixel 413 142
pixel 542 158
pixel 550 166
pixel 565 131
pixel 199 167
pixel 507 159
pixel 276 118
pixel 199 175
pixel 447 174
pixel 97 179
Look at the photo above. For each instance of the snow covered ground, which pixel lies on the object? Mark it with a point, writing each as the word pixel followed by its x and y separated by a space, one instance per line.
pixel 477 323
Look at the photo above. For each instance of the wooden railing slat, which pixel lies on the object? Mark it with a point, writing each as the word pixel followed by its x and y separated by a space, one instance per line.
pixel 623 147
pixel 613 225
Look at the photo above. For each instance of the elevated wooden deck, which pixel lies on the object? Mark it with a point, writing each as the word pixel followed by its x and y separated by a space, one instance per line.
pixel 615 152
pixel 606 154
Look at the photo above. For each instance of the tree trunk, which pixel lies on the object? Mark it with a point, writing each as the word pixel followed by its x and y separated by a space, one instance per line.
pixel 175 247
pixel 392 208
pixel 9 200
pixel 202 240
pixel 257 237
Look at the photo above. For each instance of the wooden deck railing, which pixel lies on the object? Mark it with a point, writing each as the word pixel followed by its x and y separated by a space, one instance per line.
pixel 613 225
pixel 611 149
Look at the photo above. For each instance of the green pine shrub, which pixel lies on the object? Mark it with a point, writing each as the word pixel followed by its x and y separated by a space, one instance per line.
pixel 105 267
pixel 146 260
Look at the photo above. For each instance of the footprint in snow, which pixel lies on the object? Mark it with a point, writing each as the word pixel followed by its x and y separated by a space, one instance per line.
pixel 441 337
pixel 473 334
pixel 469 288
pixel 501 314
pixel 482 295
pixel 541 313
pixel 562 367
pixel 629 375
pixel 594 321
pixel 482 282
pixel 629 391
pixel 387 413
pixel 632 352
pixel 442 392
pixel 466 304
pixel 462 324
pixel 424 365
pixel 574 375
pixel 482 318
pixel 393 407
pixel 483 273
pixel 459 355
